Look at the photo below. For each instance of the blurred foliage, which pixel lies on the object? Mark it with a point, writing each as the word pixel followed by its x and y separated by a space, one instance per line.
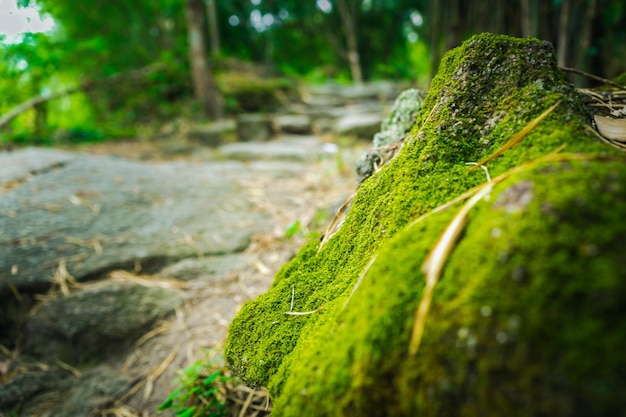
pixel 299 40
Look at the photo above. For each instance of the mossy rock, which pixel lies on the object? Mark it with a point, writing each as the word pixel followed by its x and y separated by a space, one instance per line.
pixel 251 93
pixel 528 316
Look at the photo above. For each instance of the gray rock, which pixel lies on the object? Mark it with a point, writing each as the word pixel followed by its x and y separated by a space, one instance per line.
pixel 94 214
pixel 333 94
pixel 363 126
pixel 57 393
pixel 206 269
pixel 402 118
pixel 254 127
pixel 97 321
pixel 292 123
pixel 23 387
pixel 21 164
pixel 213 134
pixel 360 92
pixel 393 130
pixel 93 391
pixel 286 148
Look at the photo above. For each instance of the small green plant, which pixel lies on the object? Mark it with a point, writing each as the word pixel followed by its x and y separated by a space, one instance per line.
pixel 293 229
pixel 201 392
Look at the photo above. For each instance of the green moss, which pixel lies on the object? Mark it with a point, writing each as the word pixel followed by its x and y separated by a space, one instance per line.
pixel 252 93
pixel 506 335
pixel 354 361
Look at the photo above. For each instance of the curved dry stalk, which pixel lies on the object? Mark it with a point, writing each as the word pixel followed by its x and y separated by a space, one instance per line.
pixel 436 259
pixel 336 223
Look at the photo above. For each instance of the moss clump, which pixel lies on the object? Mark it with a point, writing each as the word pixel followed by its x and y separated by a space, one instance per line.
pixel 534 284
pixel 252 93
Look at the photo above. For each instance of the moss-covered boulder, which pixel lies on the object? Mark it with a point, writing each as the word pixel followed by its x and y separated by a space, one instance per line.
pixel 527 316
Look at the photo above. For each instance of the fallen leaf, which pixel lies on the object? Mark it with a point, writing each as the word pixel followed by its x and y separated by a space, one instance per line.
pixel 610 128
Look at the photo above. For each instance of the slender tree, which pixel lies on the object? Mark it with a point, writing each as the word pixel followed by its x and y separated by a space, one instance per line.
pixel 348 11
pixel 204 87
pixel 214 31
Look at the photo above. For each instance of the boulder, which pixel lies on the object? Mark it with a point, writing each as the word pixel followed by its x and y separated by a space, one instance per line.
pixel 292 123
pixel 82 394
pixel 254 127
pixel 444 293
pixel 207 269
pixel 213 134
pixel 392 132
pixel 85 215
pixel 363 126
pixel 95 322
pixel 290 147
pixel 17 167
pixel 21 387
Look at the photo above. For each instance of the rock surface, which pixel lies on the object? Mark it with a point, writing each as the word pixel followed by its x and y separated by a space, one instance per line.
pixel 392 132
pixel 253 127
pixel 213 134
pixel 98 213
pixel 293 123
pixel 96 322
pixel 362 126
pixel 295 148
pixel 433 300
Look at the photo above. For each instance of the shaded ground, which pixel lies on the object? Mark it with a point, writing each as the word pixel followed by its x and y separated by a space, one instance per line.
pixel 294 206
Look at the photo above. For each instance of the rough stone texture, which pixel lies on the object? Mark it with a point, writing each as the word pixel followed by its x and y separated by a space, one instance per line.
pixel 23 387
pixel 61 393
pixel 526 317
pixel 95 388
pixel 98 212
pixel 206 269
pixel 213 134
pixel 254 127
pixel 393 130
pixel 97 321
pixel 401 120
pixel 80 396
pixel 363 126
pixel 15 166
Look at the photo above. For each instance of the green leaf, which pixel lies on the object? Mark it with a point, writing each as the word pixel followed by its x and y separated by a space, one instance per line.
pixel 211 378
pixel 292 229
pixel 187 412
pixel 170 399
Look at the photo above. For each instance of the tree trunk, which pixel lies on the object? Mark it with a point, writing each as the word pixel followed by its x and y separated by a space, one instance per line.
pixel 455 25
pixel 530 18
pixel 214 32
pixel 348 20
pixel 204 86
pixel 585 37
pixel 563 50
pixel 434 20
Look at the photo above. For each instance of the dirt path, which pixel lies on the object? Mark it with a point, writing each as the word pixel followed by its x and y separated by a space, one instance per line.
pixel 303 206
